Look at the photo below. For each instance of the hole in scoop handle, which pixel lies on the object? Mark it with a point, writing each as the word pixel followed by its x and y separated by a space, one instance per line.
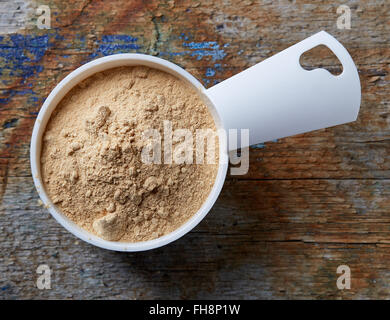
pixel 278 98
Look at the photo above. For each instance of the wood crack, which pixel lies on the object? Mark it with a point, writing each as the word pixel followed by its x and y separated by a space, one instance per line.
pixel 78 15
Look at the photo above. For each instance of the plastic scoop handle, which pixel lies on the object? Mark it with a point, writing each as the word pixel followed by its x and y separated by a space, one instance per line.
pixel 278 98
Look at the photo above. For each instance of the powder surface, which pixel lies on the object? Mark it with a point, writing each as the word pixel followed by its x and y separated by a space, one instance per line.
pixel 91 156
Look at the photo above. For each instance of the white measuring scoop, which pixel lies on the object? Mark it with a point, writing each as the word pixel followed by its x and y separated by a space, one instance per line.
pixel 273 99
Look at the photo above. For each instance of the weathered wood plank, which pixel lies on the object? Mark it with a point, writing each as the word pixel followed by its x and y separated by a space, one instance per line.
pixel 308 203
pixel 267 239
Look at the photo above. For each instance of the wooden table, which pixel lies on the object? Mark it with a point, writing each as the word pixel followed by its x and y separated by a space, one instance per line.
pixel 308 204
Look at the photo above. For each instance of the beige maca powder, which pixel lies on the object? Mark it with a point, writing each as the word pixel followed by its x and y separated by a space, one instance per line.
pixel 91 156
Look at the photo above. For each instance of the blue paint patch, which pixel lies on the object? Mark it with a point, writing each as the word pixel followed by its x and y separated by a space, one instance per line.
pixel 112 44
pixel 5 287
pixel 19 57
pixel 215 55
pixel 59 37
pixel 23 92
pixel 218 66
pixel 81 38
pixel 183 37
pixel 210 72
pixel 174 54
pixel 201 45
pixel 10 123
pixel 262 145
pixel 206 81
pixel 198 49
pixel 33 100
pixel 20 52
pixel 205 49
pixel 258 146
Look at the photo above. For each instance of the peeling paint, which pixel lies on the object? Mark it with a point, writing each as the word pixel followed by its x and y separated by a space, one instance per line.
pixel 113 44
pixel 20 55
pixel 19 58
pixel 10 123
pixel 205 49
pixel 199 50
pixel 258 146
pixel 210 72
pixel 15 15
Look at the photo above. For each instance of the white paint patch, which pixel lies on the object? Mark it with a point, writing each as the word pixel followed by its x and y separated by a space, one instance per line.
pixel 15 15
pixel 234 27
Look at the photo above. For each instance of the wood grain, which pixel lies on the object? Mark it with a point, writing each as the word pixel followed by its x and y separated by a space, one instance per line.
pixel 308 204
